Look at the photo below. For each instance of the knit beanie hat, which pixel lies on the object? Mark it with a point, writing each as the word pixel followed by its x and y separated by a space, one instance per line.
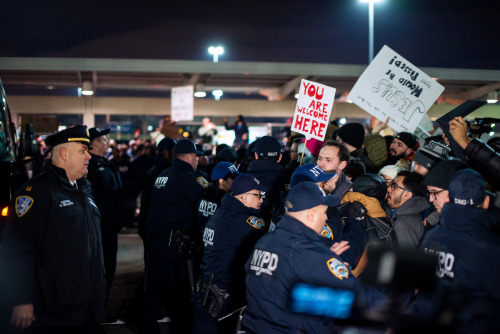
pixel 440 175
pixel 390 170
pixel 407 138
pixel 431 154
pixel 352 133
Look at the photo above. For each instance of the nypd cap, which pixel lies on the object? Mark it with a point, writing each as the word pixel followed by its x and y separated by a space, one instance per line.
pixel 77 133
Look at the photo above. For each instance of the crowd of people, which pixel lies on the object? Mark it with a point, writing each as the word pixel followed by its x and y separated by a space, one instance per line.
pixel 229 232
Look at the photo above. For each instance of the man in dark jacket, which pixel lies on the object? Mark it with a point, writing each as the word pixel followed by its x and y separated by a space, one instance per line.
pixel 406 203
pixel 267 169
pixel 52 245
pixel 169 232
pixel 292 254
pixel 107 190
pixel 228 240
pixel 467 290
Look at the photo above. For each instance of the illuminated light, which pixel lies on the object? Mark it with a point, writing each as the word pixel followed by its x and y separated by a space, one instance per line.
pixel 185 134
pixel 87 88
pixel 200 94
pixel 296 96
pixel 492 125
pixel 491 101
pixel 181 130
pixel 370 1
pixel 217 94
pixel 342 121
pixel 216 51
pixel 150 128
pixel 5 211
pixel 118 128
pixel 50 87
pixel 492 133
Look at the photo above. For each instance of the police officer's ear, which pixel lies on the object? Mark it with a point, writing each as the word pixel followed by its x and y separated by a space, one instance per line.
pixel 486 203
pixel 279 159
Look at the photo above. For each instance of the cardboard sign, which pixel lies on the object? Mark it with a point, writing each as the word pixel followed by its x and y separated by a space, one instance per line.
pixel 391 87
pixel 314 106
pixel 182 103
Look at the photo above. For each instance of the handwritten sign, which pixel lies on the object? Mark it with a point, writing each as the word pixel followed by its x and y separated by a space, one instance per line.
pixel 392 87
pixel 182 103
pixel 314 106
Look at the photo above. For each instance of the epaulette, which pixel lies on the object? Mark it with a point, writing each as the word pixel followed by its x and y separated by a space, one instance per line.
pixel 256 222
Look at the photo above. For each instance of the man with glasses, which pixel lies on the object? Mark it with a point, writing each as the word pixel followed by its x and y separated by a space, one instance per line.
pixel 406 202
pixel 228 240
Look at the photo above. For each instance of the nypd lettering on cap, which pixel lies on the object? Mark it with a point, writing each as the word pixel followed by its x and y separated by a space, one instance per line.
pixel 256 222
pixel 202 181
pixel 337 268
pixel 23 204
pixel 327 232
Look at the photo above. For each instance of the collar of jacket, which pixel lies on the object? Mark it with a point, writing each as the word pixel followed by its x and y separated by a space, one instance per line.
pixel 414 205
pixel 230 203
pixel 180 165
pixel 295 226
pixel 60 175
pixel 461 217
pixel 264 166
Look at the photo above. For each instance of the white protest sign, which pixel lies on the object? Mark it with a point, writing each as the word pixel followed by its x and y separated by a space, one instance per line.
pixel 314 106
pixel 182 101
pixel 391 87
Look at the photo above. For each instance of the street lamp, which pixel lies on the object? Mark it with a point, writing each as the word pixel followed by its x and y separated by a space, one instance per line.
pixel 370 28
pixel 216 51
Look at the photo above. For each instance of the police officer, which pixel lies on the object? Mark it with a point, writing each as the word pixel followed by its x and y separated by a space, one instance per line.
pixel 107 191
pixel 291 254
pixel 228 240
pixel 52 244
pixel 169 232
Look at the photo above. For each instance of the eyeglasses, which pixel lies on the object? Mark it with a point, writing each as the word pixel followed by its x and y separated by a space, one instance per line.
pixel 433 194
pixel 394 185
pixel 258 195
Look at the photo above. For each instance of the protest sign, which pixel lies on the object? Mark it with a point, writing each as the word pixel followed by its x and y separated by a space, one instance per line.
pixel 182 101
pixel 391 87
pixel 314 106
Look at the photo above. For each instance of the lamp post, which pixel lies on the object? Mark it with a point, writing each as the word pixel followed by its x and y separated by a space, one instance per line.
pixel 370 27
pixel 216 51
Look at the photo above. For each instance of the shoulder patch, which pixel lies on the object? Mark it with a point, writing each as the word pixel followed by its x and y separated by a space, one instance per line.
pixel 23 204
pixel 201 180
pixel 327 232
pixel 28 188
pixel 338 268
pixel 287 187
pixel 256 222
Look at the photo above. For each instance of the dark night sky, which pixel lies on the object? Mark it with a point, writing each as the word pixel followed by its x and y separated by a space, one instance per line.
pixel 437 33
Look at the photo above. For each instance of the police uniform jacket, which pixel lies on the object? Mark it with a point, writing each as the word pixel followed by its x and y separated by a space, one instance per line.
pixel 468 272
pixel 292 253
pixel 173 199
pixel 52 250
pixel 107 190
pixel 273 176
pixel 206 207
pixel 228 240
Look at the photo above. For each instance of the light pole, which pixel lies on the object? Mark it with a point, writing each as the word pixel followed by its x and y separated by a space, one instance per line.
pixel 216 51
pixel 370 27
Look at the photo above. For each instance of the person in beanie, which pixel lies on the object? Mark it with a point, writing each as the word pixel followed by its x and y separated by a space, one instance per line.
pixel 467 250
pixel 51 252
pixel 402 147
pixel 352 136
pixel 428 155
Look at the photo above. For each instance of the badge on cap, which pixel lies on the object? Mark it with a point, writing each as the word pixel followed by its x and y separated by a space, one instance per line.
pixel 201 180
pixel 327 232
pixel 338 268
pixel 256 222
pixel 23 204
